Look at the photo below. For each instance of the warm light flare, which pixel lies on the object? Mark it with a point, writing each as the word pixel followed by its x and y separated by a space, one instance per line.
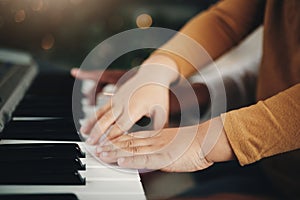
pixel 47 42
pixel 144 21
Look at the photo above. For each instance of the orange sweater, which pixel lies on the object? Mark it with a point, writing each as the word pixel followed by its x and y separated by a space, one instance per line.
pixel 271 126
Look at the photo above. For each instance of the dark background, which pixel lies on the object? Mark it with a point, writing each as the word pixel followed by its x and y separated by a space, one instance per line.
pixel 62 32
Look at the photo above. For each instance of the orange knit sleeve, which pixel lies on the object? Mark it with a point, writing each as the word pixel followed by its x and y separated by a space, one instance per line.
pixel 216 30
pixel 267 128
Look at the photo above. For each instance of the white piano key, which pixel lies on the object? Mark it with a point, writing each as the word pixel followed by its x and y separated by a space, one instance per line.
pixel 95 174
pixel 95 163
pixel 91 187
pixel 87 85
pixel 111 196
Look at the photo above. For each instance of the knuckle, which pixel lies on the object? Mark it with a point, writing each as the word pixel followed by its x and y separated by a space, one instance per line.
pixel 131 143
pixel 134 150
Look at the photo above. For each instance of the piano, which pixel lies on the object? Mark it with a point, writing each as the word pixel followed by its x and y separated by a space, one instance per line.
pixel 41 154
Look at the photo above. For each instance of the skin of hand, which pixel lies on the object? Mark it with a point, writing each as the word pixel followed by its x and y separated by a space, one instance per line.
pixel 103 78
pixel 145 94
pixel 183 149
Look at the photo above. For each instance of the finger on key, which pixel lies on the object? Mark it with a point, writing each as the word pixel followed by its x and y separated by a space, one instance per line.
pixel 103 125
pixel 88 126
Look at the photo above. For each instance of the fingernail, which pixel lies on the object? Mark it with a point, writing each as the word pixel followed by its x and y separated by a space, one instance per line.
pixel 121 160
pixel 104 154
pixel 99 149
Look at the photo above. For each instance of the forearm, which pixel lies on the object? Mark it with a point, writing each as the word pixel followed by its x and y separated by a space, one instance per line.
pixel 164 68
pixel 216 31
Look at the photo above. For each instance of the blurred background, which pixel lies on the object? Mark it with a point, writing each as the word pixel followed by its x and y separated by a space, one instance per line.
pixel 60 33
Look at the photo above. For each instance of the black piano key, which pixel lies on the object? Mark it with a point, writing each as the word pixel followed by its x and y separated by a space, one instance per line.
pixel 42 135
pixel 54 111
pixel 41 178
pixel 43 112
pixel 52 84
pixel 55 136
pixel 32 100
pixel 40 150
pixel 57 196
pixel 40 125
pixel 58 104
pixel 50 95
pixel 42 165
pixel 55 129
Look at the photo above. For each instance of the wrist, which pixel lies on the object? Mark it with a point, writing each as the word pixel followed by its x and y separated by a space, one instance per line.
pixel 215 145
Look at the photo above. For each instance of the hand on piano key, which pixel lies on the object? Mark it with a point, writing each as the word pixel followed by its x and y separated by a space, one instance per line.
pixel 99 79
pixel 173 149
pixel 145 94
pixel 133 100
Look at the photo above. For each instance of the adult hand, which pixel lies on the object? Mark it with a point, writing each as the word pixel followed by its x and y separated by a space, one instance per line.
pixel 145 94
pixel 101 79
pixel 176 150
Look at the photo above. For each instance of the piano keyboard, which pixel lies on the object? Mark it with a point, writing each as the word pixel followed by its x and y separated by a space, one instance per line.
pixel 42 157
pixel 102 182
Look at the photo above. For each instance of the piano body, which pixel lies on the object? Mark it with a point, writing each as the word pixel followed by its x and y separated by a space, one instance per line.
pixel 41 155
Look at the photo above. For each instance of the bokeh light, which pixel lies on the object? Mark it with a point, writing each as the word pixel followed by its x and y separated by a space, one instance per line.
pixel 20 16
pixel 24 25
pixel 144 21
pixel 48 41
